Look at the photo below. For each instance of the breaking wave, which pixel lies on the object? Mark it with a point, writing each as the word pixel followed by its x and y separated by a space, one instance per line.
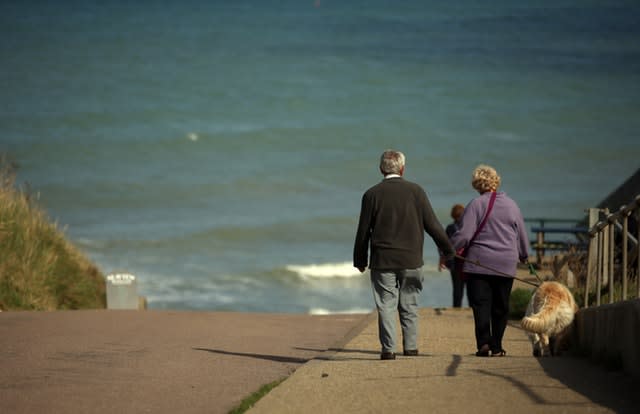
pixel 325 271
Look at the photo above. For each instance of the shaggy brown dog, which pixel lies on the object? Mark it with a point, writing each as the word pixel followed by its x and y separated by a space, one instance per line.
pixel 549 317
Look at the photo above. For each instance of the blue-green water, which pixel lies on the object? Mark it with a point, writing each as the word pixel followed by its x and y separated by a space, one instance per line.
pixel 218 149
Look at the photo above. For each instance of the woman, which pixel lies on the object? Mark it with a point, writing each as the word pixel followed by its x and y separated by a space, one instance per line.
pixel 493 247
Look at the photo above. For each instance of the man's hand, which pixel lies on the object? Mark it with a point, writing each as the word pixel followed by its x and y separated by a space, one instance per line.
pixel 451 265
pixel 450 262
pixel 441 264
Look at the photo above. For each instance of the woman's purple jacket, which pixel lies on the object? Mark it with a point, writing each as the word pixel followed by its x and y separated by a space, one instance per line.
pixel 502 242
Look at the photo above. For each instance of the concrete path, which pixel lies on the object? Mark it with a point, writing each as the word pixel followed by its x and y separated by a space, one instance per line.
pixel 207 362
pixel 448 378
pixel 153 361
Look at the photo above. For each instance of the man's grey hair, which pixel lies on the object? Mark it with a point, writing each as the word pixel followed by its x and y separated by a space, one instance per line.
pixel 391 162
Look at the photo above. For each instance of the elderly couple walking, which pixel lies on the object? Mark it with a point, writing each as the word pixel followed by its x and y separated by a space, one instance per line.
pixel 394 216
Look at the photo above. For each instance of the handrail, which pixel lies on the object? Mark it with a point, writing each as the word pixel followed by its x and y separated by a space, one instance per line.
pixel 602 246
pixel 613 217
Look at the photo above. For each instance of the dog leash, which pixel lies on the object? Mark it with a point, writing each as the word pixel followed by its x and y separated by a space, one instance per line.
pixel 531 271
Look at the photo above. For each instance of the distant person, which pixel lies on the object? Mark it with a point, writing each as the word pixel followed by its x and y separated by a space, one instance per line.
pixel 394 215
pixel 457 281
pixel 493 253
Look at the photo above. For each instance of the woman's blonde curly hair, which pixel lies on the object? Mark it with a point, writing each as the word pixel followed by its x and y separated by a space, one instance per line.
pixel 485 178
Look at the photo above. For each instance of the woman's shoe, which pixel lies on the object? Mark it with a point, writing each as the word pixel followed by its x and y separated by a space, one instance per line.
pixel 483 351
pixel 499 353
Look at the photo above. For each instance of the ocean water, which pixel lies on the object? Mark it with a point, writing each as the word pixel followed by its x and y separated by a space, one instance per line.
pixel 218 150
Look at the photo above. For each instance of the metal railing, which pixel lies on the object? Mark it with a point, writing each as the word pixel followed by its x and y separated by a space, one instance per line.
pixel 610 256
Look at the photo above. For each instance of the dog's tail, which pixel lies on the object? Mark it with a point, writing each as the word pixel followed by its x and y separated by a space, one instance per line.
pixel 555 313
pixel 539 322
pixel 549 319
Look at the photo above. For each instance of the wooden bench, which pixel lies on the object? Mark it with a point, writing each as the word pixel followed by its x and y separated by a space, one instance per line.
pixel 540 244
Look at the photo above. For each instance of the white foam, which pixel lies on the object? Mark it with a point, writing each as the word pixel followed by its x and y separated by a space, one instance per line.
pixel 341 270
pixel 192 136
pixel 323 311
pixel 325 271
pixel 90 243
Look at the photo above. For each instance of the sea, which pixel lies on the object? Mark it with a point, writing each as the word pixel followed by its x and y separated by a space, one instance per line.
pixel 219 150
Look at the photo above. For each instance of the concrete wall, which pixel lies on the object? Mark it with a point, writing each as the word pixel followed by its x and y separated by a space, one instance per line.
pixel 610 334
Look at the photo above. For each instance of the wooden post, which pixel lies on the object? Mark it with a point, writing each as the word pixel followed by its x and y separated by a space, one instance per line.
pixel 612 242
pixel 605 253
pixel 539 247
pixel 625 235
pixel 600 236
pixel 592 258
pixel 591 255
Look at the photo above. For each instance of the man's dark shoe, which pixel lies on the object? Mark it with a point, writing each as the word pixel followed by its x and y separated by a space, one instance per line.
pixel 411 352
pixel 387 355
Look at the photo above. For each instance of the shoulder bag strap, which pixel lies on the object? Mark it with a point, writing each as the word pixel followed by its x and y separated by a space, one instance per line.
pixel 484 220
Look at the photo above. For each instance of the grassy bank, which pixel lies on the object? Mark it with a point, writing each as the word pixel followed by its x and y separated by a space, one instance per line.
pixel 39 268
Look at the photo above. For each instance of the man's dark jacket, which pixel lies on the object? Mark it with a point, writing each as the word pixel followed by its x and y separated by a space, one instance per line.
pixel 393 218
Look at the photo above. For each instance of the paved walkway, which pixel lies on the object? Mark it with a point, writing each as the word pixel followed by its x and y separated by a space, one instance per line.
pixel 207 362
pixel 448 378
pixel 153 361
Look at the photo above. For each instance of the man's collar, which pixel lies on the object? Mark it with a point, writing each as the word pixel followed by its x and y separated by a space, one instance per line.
pixel 386 177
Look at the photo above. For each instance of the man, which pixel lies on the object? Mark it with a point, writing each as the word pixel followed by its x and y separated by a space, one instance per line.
pixel 393 217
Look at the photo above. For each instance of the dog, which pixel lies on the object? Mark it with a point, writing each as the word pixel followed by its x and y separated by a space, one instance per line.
pixel 549 318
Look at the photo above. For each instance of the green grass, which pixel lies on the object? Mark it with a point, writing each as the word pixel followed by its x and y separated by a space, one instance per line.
pixel 251 400
pixel 518 302
pixel 39 268
pixel 632 289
